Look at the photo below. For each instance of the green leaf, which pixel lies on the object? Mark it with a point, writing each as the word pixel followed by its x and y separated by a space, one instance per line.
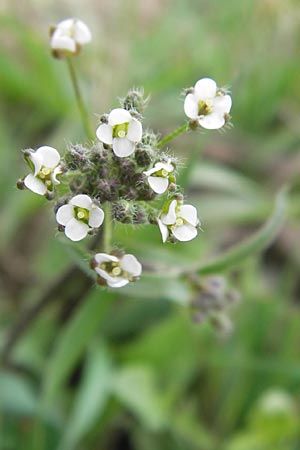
pixel 91 398
pixel 254 244
pixel 73 341
pixel 135 387
pixel 16 395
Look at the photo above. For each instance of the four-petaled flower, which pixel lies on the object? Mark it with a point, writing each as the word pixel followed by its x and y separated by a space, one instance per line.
pixel 180 221
pixel 116 271
pixel 160 176
pixel 122 132
pixel 44 163
pixel 68 36
pixel 79 216
pixel 207 104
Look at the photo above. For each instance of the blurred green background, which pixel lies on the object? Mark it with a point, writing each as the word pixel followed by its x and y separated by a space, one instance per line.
pixel 131 370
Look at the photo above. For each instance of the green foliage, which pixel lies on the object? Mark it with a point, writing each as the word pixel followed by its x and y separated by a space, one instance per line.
pixel 129 369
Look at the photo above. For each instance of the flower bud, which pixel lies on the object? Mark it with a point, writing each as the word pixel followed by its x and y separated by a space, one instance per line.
pixel 135 101
pixel 143 156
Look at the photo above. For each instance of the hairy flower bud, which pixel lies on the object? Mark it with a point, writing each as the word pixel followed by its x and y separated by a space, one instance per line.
pixel 135 101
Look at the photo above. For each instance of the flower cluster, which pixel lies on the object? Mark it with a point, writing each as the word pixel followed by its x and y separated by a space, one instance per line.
pixel 122 171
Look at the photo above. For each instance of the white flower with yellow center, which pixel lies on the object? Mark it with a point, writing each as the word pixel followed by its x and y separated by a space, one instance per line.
pixel 160 176
pixel 79 216
pixel 122 132
pixel 116 271
pixel 45 164
pixel 207 104
pixel 180 221
pixel 69 35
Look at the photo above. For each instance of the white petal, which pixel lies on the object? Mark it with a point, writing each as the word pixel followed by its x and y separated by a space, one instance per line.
pixel 191 106
pixel 82 200
pixel 65 25
pixel 158 184
pixel 189 213
pixel 118 116
pixel 205 88
pixel 57 171
pixel 76 230
pixel 185 232
pixel 130 264
pixel 82 32
pixel 64 214
pixel 170 217
pixel 50 156
pixel 212 121
pixel 113 282
pixel 105 133
pixel 222 104
pixel 63 43
pixel 150 171
pixel 118 282
pixel 37 161
pixel 163 229
pixel 135 131
pixel 165 166
pixel 104 257
pixel 96 217
pixel 35 185
pixel 122 147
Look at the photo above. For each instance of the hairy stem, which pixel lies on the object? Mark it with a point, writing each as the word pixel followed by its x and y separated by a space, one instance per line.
pixel 80 103
pixel 173 135
pixel 107 233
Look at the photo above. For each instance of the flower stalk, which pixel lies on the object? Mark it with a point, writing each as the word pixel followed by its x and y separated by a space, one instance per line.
pixel 80 103
pixel 177 132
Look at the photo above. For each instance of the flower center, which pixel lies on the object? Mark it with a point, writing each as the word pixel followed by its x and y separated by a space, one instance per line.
pixel 120 130
pixel 179 222
pixel 205 107
pixel 81 214
pixel 116 271
pixel 44 173
pixel 164 173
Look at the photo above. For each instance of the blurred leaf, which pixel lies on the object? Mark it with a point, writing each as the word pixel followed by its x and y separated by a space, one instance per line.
pixel 91 398
pixel 256 243
pixel 136 388
pixel 73 340
pixel 16 395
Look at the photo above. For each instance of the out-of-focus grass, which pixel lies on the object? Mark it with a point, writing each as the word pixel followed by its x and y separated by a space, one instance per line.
pixel 142 375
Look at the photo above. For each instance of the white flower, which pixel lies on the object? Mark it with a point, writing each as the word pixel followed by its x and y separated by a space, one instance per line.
pixel 160 176
pixel 79 216
pixel 122 132
pixel 180 221
pixel 69 35
pixel 45 165
pixel 207 104
pixel 116 271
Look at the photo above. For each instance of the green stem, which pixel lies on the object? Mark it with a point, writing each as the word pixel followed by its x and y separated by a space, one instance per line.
pixel 107 233
pixel 173 135
pixel 80 103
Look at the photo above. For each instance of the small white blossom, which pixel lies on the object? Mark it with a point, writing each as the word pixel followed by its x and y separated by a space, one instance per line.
pixel 79 216
pixel 116 271
pixel 45 165
pixel 122 132
pixel 180 221
pixel 69 35
pixel 160 176
pixel 207 104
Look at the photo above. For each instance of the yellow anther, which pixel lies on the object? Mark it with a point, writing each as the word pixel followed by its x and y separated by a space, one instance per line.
pixel 80 215
pixel 164 173
pixel 179 222
pixel 121 133
pixel 48 183
pixel 116 271
pixel 45 171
